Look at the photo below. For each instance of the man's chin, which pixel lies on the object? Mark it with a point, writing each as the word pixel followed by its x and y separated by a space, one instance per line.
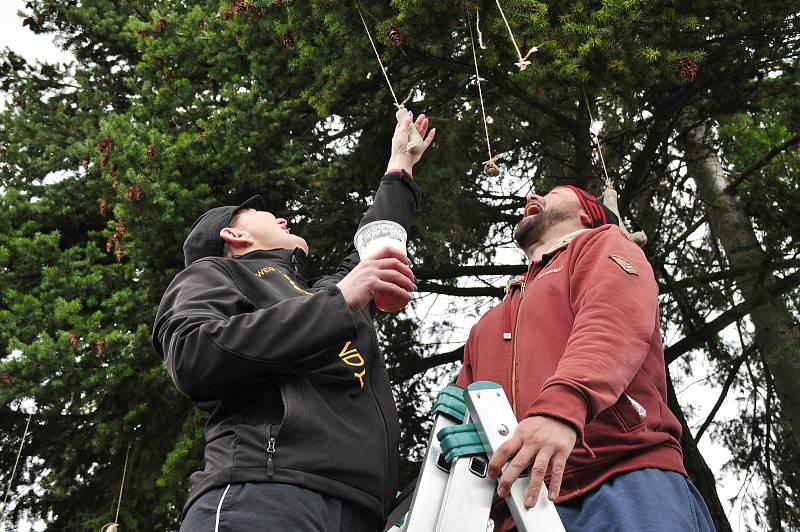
pixel 300 242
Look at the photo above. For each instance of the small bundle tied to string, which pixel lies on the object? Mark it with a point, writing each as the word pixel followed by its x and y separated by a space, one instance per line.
pixel 610 197
pixel 415 140
pixel 489 167
pixel 523 62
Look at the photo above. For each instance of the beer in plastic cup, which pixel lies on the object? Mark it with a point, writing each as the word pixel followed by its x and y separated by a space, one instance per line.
pixel 370 239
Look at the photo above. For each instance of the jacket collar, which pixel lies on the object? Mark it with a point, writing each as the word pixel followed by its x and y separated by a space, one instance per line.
pixel 560 244
pixel 293 260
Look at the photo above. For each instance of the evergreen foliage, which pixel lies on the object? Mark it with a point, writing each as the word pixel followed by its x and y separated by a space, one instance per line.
pixel 173 107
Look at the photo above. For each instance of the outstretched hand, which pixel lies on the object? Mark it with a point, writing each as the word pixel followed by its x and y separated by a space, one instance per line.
pixel 400 157
pixel 542 441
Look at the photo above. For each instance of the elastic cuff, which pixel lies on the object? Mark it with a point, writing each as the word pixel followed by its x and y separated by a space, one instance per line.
pixel 398 171
pixel 405 177
pixel 565 404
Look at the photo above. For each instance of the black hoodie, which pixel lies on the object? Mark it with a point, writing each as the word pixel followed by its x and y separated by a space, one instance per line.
pixel 294 382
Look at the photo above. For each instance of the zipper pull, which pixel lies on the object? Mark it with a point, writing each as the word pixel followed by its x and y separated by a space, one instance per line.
pixel 270 452
pixel 522 290
pixel 295 266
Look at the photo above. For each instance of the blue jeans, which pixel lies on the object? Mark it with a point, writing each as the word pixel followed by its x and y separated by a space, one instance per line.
pixel 647 500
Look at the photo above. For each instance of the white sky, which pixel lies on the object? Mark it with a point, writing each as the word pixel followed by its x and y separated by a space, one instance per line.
pixel 41 47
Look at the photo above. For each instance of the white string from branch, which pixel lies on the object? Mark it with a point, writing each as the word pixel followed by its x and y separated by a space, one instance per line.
pixel 14 469
pixel 478 27
pixel 122 483
pixel 491 162
pixel 609 182
pixel 383 69
pixel 523 61
pixel 113 527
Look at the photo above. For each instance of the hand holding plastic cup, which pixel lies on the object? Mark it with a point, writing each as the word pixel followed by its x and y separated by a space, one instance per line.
pixel 369 240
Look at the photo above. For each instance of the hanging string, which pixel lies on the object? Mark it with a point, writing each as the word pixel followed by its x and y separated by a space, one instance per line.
pixel 415 140
pixel 609 183
pixel 383 69
pixel 14 469
pixel 610 197
pixel 113 527
pixel 523 61
pixel 489 167
pixel 478 27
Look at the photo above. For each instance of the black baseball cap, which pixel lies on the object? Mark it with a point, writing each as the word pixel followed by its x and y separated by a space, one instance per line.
pixel 204 239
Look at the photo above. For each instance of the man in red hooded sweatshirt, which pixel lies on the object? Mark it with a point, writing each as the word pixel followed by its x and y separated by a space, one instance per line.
pixel 577 348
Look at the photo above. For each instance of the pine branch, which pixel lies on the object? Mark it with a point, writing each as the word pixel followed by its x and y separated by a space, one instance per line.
pixel 452 272
pixel 468 291
pixel 410 368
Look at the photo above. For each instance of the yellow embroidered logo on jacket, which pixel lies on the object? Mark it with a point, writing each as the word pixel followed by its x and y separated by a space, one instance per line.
pixel 269 269
pixel 353 358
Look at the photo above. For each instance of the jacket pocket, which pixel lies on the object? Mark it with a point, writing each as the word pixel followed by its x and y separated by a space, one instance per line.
pixel 630 414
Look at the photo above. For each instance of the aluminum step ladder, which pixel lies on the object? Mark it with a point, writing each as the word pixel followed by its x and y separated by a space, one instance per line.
pixel 453 493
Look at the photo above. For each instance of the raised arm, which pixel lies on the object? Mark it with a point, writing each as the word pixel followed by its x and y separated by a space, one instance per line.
pixel 397 198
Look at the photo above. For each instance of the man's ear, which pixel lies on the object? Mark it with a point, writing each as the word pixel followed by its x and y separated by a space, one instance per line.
pixel 235 237
pixel 585 219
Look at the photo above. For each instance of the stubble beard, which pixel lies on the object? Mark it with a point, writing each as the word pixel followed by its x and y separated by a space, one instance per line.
pixel 532 229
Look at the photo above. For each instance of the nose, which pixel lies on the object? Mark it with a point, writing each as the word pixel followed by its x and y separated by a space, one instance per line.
pixel 282 222
pixel 532 196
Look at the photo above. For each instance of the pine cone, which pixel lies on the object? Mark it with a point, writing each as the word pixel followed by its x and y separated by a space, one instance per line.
pixel 6 379
pixel 151 152
pixel 110 242
pixel 103 207
pixel 100 346
pixel 159 25
pixel 134 193
pixel 85 162
pixel 144 34
pixel 394 35
pixel 288 41
pixel 170 74
pixel 73 341
pixel 687 68
pixel 201 134
pixel 104 148
pixel 119 255
pixel 122 226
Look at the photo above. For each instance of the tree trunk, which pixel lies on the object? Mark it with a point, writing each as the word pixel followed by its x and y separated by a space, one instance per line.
pixel 701 475
pixel 776 329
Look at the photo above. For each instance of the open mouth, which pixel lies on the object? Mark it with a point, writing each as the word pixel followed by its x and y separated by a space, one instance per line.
pixel 533 208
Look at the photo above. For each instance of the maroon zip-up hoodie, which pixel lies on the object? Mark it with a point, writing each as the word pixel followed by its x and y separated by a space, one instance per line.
pixel 578 339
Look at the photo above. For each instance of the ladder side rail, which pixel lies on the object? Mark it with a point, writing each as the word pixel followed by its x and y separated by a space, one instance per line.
pixel 490 411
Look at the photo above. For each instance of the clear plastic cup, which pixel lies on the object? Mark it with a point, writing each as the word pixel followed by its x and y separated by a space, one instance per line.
pixel 373 237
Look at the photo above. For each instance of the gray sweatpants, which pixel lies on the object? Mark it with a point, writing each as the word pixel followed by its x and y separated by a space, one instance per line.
pixel 274 507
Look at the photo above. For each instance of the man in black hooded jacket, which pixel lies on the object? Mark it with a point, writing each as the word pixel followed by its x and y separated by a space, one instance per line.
pixel 303 432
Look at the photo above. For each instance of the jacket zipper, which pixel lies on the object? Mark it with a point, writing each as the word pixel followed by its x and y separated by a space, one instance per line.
pixel 514 350
pixel 271 433
pixel 514 342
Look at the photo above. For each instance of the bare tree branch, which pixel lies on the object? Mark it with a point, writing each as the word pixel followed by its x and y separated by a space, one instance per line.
pixel 737 363
pixel 710 329
pixel 771 154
